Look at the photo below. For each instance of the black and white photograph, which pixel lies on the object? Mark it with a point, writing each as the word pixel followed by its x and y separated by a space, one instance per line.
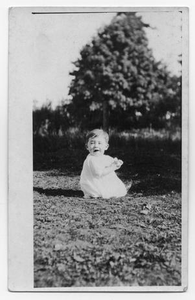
pixel 107 92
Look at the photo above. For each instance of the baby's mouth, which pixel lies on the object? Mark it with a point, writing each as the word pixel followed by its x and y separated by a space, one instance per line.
pixel 96 150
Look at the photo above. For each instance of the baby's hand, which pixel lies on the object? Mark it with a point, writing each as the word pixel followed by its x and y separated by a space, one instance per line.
pixel 117 163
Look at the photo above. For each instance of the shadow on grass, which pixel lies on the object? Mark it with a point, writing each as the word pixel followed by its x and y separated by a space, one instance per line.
pixel 58 192
pixel 157 185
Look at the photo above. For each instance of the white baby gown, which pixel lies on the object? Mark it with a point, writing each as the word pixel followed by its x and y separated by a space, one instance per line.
pixel 94 184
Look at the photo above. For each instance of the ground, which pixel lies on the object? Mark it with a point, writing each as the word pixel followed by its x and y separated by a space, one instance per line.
pixel 130 241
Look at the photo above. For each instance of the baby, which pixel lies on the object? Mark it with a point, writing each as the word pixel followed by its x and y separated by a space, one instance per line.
pixel 98 177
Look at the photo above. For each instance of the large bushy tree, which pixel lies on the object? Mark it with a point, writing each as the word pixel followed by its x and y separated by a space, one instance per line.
pixel 116 76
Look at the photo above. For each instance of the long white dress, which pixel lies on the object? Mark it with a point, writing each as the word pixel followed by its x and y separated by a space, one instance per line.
pixel 94 184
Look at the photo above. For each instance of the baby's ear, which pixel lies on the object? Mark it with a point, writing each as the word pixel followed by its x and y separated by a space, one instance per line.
pixel 107 146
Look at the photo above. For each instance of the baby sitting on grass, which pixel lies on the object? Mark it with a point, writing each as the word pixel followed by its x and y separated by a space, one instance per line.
pixel 98 177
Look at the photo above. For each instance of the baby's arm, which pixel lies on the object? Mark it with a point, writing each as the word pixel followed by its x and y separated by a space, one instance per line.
pixel 115 165
pixel 98 171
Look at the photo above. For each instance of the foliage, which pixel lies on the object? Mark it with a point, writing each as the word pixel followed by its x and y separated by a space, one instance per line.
pixel 48 121
pixel 166 111
pixel 118 76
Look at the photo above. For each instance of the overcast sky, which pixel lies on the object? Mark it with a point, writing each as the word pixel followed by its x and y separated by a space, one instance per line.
pixel 58 39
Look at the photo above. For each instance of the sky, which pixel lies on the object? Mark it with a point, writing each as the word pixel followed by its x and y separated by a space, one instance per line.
pixel 58 39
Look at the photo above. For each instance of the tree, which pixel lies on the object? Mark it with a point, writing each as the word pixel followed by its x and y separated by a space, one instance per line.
pixel 116 74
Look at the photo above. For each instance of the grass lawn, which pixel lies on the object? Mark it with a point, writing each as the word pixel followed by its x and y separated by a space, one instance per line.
pixel 130 241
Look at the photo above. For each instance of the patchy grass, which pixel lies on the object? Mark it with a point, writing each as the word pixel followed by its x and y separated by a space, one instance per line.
pixel 134 240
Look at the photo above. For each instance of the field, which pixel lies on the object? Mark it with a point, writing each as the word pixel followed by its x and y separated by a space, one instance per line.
pixel 129 241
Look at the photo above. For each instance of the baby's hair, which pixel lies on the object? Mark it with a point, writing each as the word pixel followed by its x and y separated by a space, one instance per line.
pixel 95 133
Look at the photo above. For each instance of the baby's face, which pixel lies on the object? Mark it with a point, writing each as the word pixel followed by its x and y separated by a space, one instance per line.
pixel 97 146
